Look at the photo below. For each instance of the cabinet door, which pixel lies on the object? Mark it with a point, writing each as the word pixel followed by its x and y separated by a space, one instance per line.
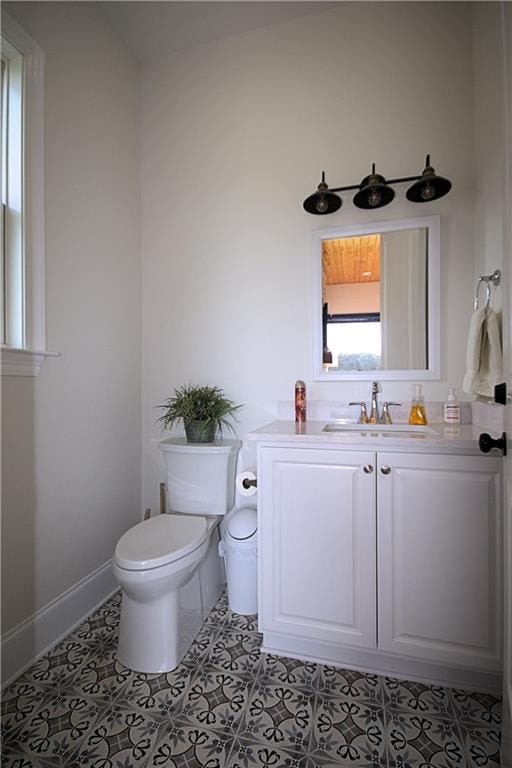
pixel 439 558
pixel 317 544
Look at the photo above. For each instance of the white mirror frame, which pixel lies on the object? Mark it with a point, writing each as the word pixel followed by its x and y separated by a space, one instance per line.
pixel 433 224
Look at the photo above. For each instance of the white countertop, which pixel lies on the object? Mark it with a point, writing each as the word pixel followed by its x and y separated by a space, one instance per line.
pixel 441 438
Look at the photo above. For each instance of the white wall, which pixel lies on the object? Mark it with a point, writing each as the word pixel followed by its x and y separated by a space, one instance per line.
pixel 71 437
pixel 234 136
pixel 489 120
pixel 492 214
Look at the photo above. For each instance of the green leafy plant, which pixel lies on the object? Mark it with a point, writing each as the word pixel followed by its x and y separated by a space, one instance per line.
pixel 204 410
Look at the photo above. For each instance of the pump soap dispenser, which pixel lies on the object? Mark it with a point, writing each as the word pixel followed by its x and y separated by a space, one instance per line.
pixel 418 414
pixel 452 408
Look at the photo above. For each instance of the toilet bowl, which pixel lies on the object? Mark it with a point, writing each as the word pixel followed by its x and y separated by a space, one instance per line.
pixel 168 567
pixel 153 561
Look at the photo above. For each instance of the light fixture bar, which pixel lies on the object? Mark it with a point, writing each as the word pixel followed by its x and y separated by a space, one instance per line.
pixel 375 191
pixel 388 181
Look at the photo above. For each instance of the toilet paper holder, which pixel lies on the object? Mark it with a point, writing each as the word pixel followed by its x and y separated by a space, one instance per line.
pixel 246 483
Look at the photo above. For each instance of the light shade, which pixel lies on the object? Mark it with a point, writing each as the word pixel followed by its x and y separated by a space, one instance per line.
pixel 322 201
pixel 374 192
pixel 429 187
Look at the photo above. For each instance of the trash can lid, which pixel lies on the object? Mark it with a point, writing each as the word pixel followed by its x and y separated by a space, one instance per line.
pixel 243 524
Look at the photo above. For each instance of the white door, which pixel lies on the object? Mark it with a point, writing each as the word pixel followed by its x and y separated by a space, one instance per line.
pixel 439 569
pixel 317 544
pixel 506 756
pixel 403 270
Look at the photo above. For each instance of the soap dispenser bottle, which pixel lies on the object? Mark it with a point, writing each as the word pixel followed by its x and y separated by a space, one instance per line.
pixel 418 414
pixel 452 408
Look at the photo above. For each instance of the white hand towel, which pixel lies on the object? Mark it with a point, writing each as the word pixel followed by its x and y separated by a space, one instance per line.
pixel 473 349
pixel 484 354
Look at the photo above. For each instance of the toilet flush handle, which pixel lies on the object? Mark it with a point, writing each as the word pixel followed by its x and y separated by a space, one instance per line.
pixel 162 498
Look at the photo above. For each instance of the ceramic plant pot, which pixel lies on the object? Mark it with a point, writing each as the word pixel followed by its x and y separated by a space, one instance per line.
pixel 200 431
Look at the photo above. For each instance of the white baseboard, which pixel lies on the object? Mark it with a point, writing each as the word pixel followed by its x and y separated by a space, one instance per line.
pixel 380 663
pixel 33 637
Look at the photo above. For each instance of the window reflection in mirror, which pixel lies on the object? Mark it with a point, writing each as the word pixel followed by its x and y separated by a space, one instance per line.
pixel 375 301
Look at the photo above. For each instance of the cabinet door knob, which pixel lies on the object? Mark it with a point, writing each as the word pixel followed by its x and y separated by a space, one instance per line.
pixel 385 469
pixel 368 469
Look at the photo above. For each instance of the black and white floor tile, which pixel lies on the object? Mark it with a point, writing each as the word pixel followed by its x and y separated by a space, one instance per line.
pixel 229 706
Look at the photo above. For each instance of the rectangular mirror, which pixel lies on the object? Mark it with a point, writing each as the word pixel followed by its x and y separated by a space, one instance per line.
pixel 377 301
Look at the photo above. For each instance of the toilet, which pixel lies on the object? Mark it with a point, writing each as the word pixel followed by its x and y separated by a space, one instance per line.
pixel 168 567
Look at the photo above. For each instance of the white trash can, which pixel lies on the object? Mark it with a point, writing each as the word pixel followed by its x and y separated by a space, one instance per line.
pixel 239 547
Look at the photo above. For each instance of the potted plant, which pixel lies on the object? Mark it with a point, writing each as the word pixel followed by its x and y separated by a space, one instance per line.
pixel 204 410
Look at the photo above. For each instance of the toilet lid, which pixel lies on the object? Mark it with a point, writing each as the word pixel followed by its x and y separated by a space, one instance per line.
pixel 160 540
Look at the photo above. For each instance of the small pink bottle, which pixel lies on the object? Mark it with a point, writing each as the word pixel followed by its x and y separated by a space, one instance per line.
pixel 300 402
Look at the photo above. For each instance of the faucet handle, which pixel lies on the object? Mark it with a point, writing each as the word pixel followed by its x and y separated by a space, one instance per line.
pixel 386 416
pixel 363 416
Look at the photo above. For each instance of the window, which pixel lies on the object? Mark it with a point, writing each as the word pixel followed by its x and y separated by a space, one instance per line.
pixel 355 341
pixel 12 331
pixel 22 269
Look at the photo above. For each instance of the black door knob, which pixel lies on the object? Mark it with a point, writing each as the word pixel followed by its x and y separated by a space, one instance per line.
pixel 486 442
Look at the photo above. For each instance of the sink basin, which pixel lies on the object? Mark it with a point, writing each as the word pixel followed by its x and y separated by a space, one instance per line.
pixel 393 430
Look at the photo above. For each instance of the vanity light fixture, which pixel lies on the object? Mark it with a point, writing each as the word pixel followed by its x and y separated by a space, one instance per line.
pixel 322 201
pixel 375 191
pixel 429 187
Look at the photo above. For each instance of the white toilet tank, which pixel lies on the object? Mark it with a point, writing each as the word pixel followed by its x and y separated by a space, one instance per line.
pixel 200 476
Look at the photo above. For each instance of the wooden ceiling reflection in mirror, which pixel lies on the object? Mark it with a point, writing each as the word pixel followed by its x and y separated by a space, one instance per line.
pixel 351 260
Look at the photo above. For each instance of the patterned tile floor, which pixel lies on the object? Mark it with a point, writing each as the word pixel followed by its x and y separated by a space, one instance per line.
pixel 229 706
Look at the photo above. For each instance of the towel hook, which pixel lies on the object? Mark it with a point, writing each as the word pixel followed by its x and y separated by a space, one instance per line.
pixel 495 279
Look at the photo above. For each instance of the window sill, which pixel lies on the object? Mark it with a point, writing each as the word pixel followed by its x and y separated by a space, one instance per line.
pixel 23 362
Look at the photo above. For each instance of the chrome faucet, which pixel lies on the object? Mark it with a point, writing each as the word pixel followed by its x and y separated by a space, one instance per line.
pixel 374 417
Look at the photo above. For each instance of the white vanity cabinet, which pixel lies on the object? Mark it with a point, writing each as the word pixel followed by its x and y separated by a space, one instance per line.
pixel 317 545
pixel 380 560
pixel 439 557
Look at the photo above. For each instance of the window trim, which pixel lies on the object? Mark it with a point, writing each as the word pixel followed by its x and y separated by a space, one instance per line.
pixel 27 359
pixel 355 317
